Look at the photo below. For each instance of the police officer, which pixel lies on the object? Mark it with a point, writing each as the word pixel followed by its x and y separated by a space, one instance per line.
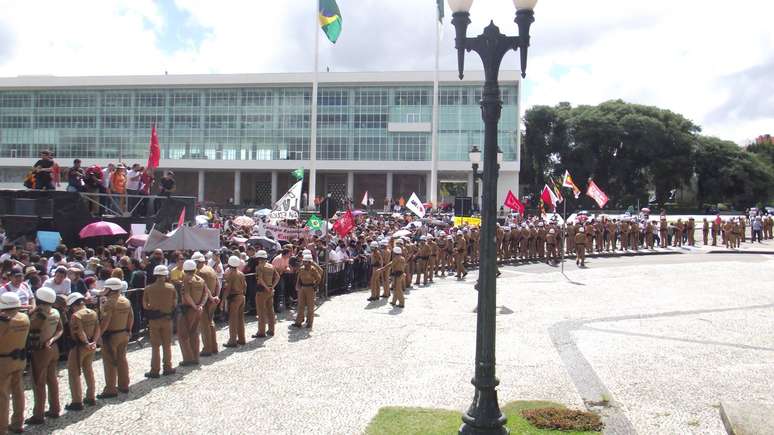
pixel 376 264
pixel 691 228
pixel 14 328
pixel 551 246
pixel 194 296
pixel 306 282
pixel 266 278
pixel 116 324
pixel 84 331
pixel 460 249
pixel 234 288
pixel 580 247
pixel 662 231
pixel 207 322
pixel 159 300
pixel 385 271
pixel 433 260
pixel 705 227
pixel 422 257
pixel 45 331
pixel 398 268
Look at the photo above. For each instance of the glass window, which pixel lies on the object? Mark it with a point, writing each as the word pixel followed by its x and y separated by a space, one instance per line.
pixel 8 100
pixel 221 121
pixel 121 99
pixel 370 120
pixel 14 121
pixel 258 121
pixel 116 121
pixel 332 120
pixel 412 97
pixel 372 97
pixel 257 97
pixel 185 121
pixel 411 147
pixel 332 148
pixel 185 99
pixel 150 99
pixel 222 97
pixel 332 97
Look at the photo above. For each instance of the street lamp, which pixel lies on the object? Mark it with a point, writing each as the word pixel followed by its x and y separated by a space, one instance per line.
pixel 484 415
pixel 475 159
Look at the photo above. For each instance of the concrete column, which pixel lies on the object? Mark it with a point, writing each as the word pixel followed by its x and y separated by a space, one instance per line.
pixel 200 195
pixel 273 187
pixel 389 185
pixel 237 187
pixel 351 186
pixel 430 189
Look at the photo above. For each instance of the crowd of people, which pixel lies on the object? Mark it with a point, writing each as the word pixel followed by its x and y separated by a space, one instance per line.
pixel 72 301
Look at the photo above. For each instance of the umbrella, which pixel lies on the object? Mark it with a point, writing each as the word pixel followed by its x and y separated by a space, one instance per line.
pixel 358 212
pixel 244 221
pixel 101 228
pixel 265 242
pixel 645 210
pixel 201 220
pixel 262 212
pixel 401 233
pixel 137 240
pixel 413 224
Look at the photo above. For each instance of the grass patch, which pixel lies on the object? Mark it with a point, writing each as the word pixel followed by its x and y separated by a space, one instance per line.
pixel 423 421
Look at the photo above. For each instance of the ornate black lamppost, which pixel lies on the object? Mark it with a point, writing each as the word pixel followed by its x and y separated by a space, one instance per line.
pixel 484 416
pixel 475 159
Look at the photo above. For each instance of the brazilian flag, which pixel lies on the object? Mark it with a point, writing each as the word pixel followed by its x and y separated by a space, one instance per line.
pixel 330 19
pixel 298 173
pixel 315 223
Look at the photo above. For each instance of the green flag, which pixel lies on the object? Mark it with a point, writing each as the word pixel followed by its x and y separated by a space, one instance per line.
pixel 315 223
pixel 330 19
pixel 298 173
pixel 440 10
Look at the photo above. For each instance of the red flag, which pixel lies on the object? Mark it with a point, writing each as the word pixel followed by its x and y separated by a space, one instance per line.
pixel 548 197
pixel 596 194
pixel 181 220
pixel 513 203
pixel 154 154
pixel 345 224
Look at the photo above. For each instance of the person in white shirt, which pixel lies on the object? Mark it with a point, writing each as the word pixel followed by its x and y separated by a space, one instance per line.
pixel 60 283
pixel 133 178
pixel 21 288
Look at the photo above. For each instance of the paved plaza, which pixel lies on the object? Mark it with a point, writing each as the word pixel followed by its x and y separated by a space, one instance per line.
pixel 654 343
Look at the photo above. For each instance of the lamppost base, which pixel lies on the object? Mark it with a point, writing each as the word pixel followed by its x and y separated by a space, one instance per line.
pixel 467 429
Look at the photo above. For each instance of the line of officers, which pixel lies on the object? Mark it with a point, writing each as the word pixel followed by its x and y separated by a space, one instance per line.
pixel 190 296
pixel 397 262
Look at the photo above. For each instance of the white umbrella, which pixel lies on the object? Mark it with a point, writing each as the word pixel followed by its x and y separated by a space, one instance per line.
pixel 401 233
pixel 201 220
pixel 262 212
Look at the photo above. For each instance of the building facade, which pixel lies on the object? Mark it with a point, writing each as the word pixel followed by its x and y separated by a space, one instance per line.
pixel 236 138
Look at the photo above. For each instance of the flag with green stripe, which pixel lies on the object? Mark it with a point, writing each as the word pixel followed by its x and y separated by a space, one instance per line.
pixel 298 173
pixel 330 19
pixel 315 223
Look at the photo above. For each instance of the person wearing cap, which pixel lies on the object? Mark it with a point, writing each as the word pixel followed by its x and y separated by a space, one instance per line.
pixel 266 279
pixel 376 264
pixel 580 246
pixel 551 256
pixel 14 329
pixel 84 331
pixel 422 256
pixel 207 322
pixel 45 330
pixel 432 259
pixel 234 288
pixel 158 301
pixel 441 265
pixel 397 270
pixel 307 280
pixel 117 318
pixel 194 296
pixel 21 288
pixel 460 251
pixel 385 271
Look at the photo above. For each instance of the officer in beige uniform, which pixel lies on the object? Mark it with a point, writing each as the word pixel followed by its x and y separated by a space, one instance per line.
pixel 234 287
pixel 159 300
pixel 580 247
pixel 266 278
pixel 207 322
pixel 194 295
pixel 433 260
pixel 14 328
pixel 45 331
pixel 422 257
pixel 116 325
pixel 460 250
pixel 398 269
pixel 84 331
pixel 385 274
pixel 307 281
pixel 376 264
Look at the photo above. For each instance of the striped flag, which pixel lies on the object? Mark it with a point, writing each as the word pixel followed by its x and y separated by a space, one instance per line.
pixel 567 182
pixel 330 19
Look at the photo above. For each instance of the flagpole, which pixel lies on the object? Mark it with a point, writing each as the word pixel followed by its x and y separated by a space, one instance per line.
pixel 434 135
pixel 564 232
pixel 313 117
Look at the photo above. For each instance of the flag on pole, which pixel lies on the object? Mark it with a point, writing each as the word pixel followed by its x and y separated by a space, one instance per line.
pixel 154 155
pixel 287 207
pixel 415 205
pixel 330 19
pixel 557 191
pixel 567 182
pixel 315 223
pixel 513 203
pixel 365 199
pixel 548 196
pixel 181 219
pixel 298 173
pixel 345 224
pixel 597 194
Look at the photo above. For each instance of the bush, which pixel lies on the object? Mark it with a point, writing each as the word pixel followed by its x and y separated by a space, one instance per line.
pixel 562 419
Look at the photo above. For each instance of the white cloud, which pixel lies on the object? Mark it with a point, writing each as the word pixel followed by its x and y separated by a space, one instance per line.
pixel 690 56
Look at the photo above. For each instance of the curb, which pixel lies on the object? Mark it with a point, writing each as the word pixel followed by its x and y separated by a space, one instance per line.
pixel 742 252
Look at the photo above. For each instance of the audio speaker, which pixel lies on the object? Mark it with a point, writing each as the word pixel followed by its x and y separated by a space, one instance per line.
pixel 463 206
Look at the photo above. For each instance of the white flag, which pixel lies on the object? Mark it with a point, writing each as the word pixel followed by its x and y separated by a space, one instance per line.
pixel 415 205
pixel 287 207
pixel 365 199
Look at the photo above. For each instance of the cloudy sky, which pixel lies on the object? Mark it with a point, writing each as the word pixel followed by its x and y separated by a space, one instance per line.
pixel 702 58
